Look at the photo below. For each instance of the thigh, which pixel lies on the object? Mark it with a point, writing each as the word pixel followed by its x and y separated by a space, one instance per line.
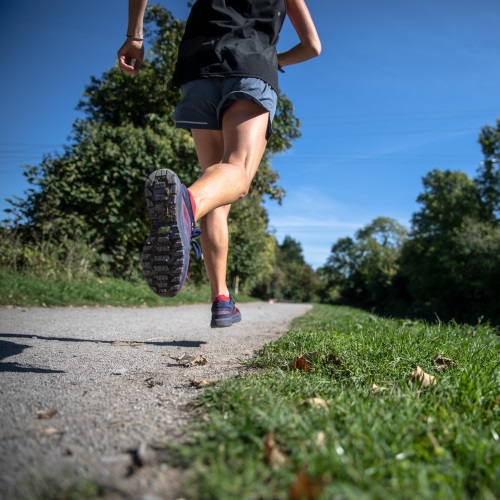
pixel 244 127
pixel 209 146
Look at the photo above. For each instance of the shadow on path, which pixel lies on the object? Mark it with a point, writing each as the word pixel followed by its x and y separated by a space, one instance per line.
pixel 173 343
pixel 8 349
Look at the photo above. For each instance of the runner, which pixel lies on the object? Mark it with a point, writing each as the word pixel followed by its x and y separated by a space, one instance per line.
pixel 227 69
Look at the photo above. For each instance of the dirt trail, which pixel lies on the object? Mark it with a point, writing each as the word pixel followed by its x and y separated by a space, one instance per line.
pixel 110 376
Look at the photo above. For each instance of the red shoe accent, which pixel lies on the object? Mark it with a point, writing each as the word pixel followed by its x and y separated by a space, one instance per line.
pixel 225 298
pixel 193 204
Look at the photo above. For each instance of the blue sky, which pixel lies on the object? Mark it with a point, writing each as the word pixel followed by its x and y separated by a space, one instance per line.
pixel 400 89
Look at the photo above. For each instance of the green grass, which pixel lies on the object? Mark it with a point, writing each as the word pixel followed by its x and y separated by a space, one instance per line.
pixel 20 289
pixel 401 442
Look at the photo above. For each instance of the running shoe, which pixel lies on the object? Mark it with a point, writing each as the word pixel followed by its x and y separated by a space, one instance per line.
pixel 224 313
pixel 165 256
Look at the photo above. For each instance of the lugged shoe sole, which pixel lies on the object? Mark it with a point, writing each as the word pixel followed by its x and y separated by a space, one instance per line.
pixel 165 255
pixel 223 323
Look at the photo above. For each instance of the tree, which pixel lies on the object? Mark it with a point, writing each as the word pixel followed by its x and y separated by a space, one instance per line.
pixel 291 278
pixel 361 271
pixel 488 178
pixel 452 256
pixel 448 199
pixel 93 191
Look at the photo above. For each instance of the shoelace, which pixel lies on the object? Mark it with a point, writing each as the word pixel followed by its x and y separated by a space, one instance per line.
pixel 196 246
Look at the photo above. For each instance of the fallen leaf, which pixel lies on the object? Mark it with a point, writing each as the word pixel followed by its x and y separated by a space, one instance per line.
pixel 199 384
pixel 152 382
pixel 311 356
pixel 317 403
pixel 50 431
pixel 305 487
pixel 127 343
pixel 200 360
pixel 441 363
pixel 46 415
pixel 321 438
pixel 272 455
pixel 300 363
pixel 334 359
pixel 186 360
pixel 178 358
pixel 377 389
pixel 421 379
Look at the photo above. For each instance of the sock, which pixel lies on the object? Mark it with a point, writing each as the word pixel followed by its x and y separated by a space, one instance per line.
pixel 193 204
pixel 225 298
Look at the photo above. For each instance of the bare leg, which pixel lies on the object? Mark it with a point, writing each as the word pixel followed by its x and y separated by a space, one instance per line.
pixel 214 232
pixel 244 137
pixel 229 160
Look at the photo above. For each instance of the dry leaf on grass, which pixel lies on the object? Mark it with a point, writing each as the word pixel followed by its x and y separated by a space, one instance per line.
pixel 421 379
pixel 376 389
pixel 321 438
pixel 306 487
pixel 272 455
pixel 300 363
pixel 333 359
pixel 127 343
pixel 46 415
pixel 316 403
pixel 441 363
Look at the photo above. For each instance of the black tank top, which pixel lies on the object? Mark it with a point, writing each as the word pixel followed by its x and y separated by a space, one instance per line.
pixel 231 38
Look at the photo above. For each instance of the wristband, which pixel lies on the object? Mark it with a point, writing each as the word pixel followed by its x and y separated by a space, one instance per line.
pixel 135 38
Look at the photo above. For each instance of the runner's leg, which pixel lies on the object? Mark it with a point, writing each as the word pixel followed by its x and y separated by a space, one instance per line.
pixel 240 146
pixel 214 232
pixel 244 126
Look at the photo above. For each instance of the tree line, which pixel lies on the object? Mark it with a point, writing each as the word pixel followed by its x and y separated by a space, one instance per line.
pixel 447 265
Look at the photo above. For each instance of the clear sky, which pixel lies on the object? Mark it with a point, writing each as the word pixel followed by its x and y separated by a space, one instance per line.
pixel 400 88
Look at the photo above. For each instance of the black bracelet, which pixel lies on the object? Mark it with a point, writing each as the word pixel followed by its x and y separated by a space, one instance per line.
pixel 135 38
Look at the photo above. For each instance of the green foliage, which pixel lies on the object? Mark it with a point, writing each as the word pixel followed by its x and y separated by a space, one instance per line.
pixel 451 263
pixel 449 198
pixel 396 441
pixel 290 277
pixel 362 270
pixel 93 191
pixel 65 258
pixel 488 178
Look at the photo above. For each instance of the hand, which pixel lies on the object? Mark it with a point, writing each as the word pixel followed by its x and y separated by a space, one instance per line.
pixel 130 56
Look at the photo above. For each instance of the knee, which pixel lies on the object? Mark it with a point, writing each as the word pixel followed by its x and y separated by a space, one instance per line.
pixel 244 182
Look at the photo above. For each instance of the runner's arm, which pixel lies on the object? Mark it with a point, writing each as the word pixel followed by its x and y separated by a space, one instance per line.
pixel 133 49
pixel 310 44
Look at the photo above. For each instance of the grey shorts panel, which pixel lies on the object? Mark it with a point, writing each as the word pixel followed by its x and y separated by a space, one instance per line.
pixel 203 101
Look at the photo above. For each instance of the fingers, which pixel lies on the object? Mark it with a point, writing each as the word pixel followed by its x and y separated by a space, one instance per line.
pixel 130 58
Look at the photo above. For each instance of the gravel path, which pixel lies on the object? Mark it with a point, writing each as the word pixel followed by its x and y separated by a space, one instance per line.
pixel 117 392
